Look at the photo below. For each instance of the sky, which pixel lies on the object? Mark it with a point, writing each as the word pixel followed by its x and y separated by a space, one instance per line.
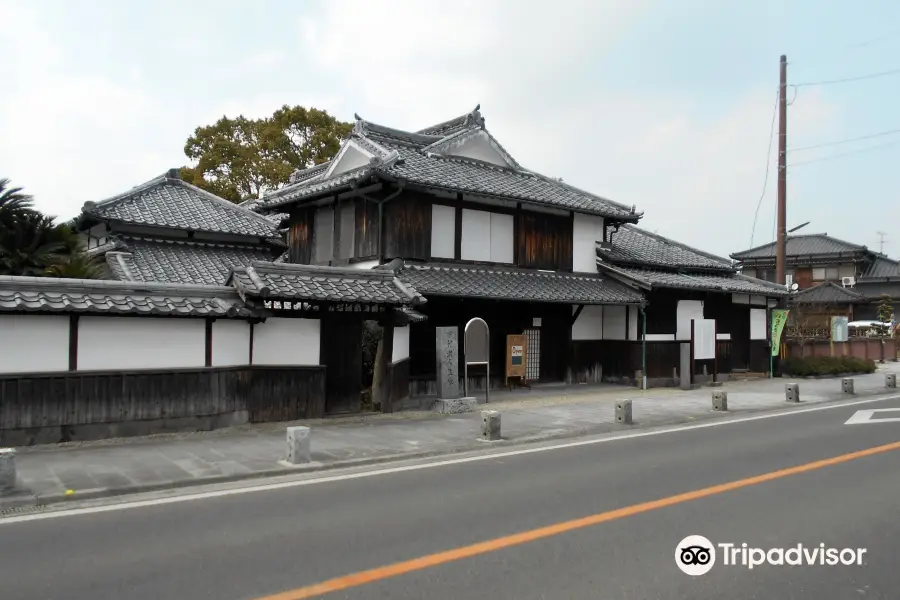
pixel 666 105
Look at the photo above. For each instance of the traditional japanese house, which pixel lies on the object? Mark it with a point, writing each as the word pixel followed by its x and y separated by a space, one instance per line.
pixel 682 283
pixel 452 214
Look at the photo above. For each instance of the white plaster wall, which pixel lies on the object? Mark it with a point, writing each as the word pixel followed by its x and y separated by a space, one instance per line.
pixel 401 344
pixel 687 310
pixel 476 235
pixel 758 300
pixel 614 322
pixel 758 324
pixel 323 234
pixel 443 231
pixel 740 298
pixel 282 341
pixel 34 343
pixel 479 147
pixel 589 324
pixel 350 158
pixel 587 230
pixel 366 264
pixel 660 337
pixel 230 343
pixel 633 323
pixel 502 233
pixel 109 343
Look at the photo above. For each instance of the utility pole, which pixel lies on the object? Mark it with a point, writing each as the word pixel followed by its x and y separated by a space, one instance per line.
pixel 781 251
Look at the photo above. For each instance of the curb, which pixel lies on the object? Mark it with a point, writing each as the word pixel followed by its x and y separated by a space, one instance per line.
pixel 27 500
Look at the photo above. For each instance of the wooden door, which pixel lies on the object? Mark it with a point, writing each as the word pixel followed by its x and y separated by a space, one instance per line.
pixel 341 349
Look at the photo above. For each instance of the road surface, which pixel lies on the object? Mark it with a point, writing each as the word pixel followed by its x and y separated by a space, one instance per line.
pixel 276 543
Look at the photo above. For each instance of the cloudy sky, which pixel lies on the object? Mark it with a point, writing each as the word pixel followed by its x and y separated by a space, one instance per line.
pixel 667 105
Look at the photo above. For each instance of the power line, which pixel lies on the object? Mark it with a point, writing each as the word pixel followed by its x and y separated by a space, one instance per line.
pixel 847 141
pixel 847 79
pixel 843 154
pixel 768 162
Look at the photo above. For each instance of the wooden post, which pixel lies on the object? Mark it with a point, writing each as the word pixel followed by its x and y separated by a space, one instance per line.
pixel 381 375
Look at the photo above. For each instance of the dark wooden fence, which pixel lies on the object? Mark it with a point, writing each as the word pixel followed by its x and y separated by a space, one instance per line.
pixel 60 407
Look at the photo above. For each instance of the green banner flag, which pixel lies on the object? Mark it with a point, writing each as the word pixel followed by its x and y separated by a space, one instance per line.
pixel 779 318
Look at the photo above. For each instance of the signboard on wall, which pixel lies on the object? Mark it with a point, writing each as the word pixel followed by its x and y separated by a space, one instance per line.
pixel 840 330
pixel 704 339
pixel 516 355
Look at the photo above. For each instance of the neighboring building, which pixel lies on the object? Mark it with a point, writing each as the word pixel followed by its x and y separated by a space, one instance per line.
pixel 682 283
pixel 480 236
pixel 816 259
pixel 167 230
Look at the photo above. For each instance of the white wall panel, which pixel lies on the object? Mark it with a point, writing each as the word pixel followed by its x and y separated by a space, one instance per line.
pixel 758 324
pixel 633 323
pixel 476 235
pixel 614 322
pixel 502 238
pixel 110 343
pixel 443 231
pixel 230 343
pixel 283 341
pixel 34 343
pixel 587 230
pixel 589 325
pixel 687 310
pixel 401 344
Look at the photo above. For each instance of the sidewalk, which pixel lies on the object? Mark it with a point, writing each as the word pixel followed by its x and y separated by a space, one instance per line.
pixel 110 467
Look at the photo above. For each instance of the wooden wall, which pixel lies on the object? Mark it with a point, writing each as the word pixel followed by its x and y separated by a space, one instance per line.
pixel 61 407
pixel 544 241
pixel 300 235
pixel 366 234
pixel 407 232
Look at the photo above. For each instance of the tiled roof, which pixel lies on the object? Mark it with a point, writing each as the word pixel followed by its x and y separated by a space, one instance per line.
pixel 330 284
pixel 828 292
pixel 883 266
pixel 502 283
pixel 634 246
pixel 414 315
pixel 873 290
pixel 403 156
pixel 46 294
pixel 714 282
pixel 452 126
pixel 167 201
pixel 802 245
pixel 180 261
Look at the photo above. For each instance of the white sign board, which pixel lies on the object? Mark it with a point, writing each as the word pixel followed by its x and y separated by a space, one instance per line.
pixel 704 339
pixel 840 332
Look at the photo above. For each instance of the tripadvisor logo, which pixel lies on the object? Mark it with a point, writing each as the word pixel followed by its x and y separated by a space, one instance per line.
pixel 696 555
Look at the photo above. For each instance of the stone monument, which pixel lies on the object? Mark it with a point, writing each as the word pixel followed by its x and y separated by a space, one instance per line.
pixel 449 400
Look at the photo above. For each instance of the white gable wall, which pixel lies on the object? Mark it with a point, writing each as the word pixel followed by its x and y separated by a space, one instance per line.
pixel 478 147
pixel 443 231
pixel 34 343
pixel 350 157
pixel 587 230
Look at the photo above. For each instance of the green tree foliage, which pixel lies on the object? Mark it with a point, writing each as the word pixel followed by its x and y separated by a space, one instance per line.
pixel 33 244
pixel 240 158
pixel 885 308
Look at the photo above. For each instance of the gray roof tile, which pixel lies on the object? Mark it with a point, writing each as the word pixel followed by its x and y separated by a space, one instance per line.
pixel 883 266
pixel 46 294
pixel 802 245
pixel 503 283
pixel 873 290
pixel 714 282
pixel 828 292
pixel 170 202
pixel 637 247
pixel 413 164
pixel 181 261
pixel 271 280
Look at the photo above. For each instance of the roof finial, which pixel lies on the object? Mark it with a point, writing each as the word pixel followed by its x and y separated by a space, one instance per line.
pixel 359 128
pixel 475 117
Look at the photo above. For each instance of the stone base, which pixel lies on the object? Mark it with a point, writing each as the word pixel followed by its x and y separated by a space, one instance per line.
pixel 454 406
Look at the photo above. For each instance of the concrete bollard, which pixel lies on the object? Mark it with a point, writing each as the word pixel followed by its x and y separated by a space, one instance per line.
pixel 792 392
pixel 7 470
pixel 490 425
pixel 890 380
pixel 298 445
pixel 847 385
pixel 720 400
pixel 623 412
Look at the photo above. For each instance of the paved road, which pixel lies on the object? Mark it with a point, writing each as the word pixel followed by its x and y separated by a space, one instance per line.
pixel 252 545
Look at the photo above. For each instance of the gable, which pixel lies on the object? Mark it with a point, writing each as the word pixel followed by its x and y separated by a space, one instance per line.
pixel 476 144
pixel 352 156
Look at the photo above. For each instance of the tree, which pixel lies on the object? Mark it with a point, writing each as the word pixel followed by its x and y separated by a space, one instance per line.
pixel 239 159
pixel 885 308
pixel 32 243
